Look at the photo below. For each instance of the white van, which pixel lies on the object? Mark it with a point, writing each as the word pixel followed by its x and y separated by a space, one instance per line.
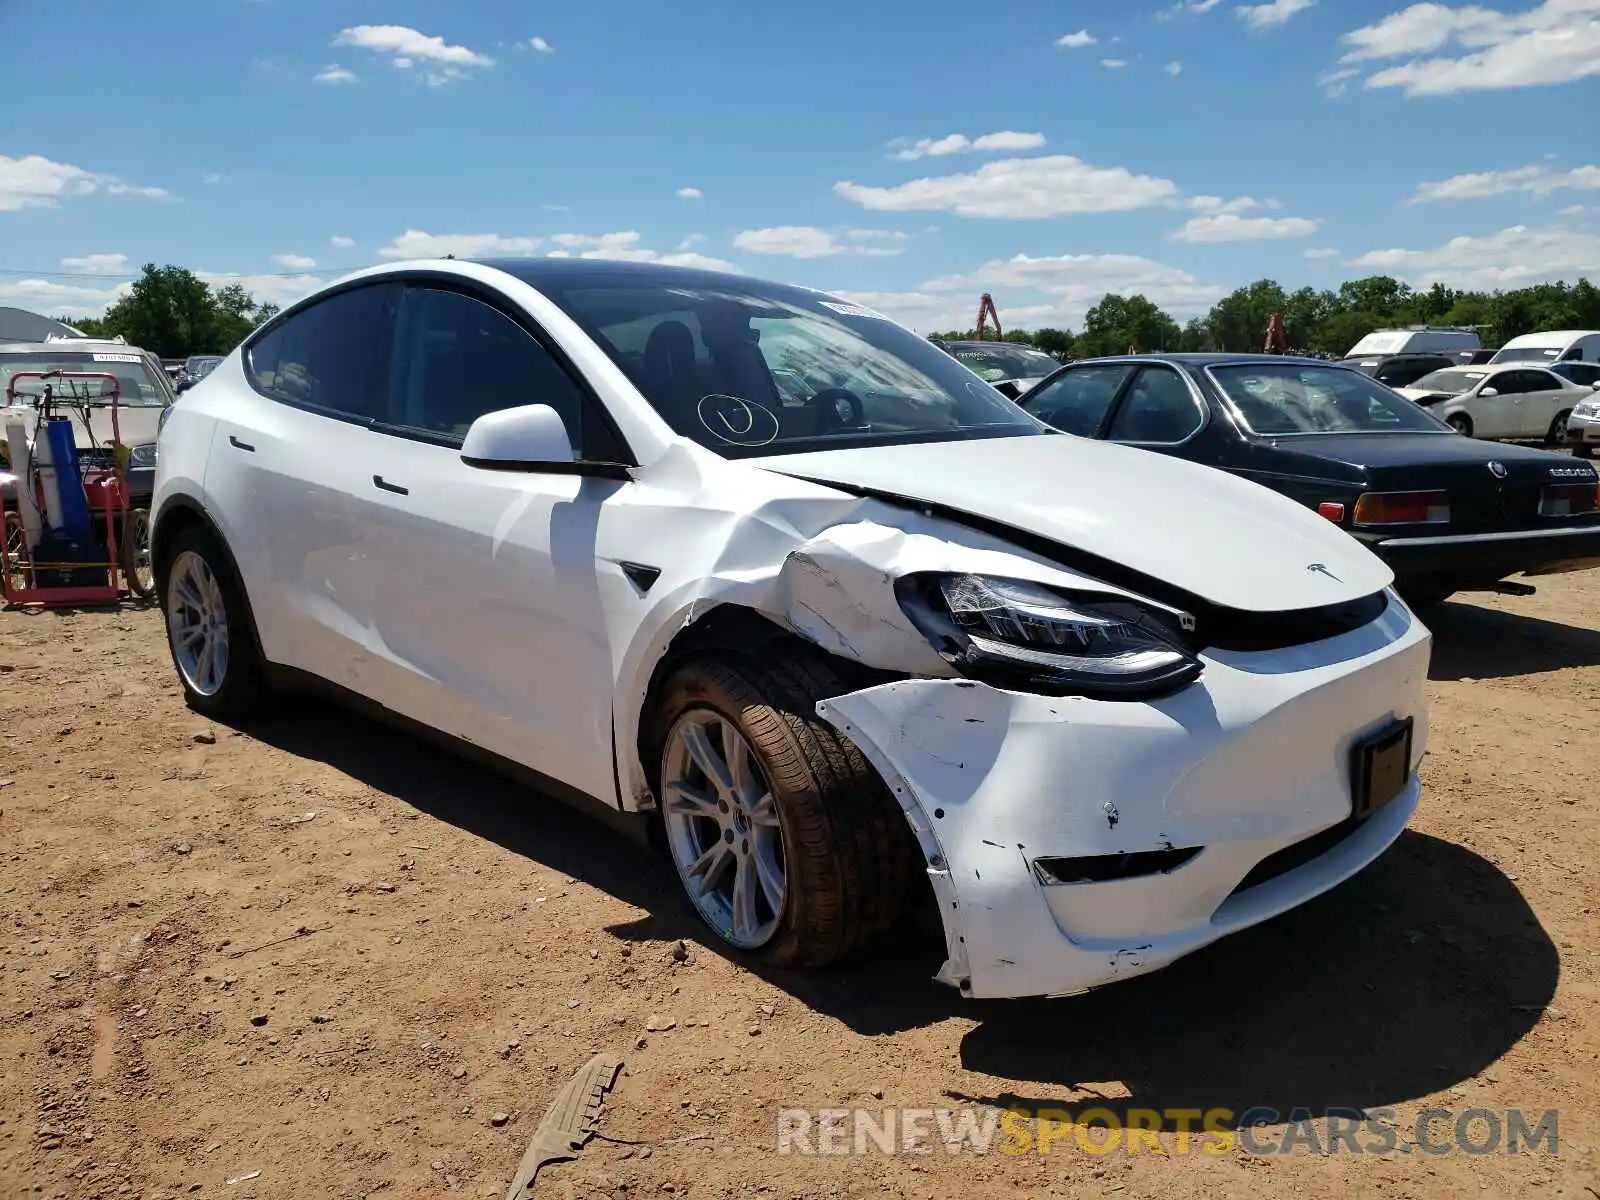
pixel 1560 345
pixel 1421 340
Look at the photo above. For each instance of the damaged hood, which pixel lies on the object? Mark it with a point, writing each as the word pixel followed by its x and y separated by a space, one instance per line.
pixel 1224 539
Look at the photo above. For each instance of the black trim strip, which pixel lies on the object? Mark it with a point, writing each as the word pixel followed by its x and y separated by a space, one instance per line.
pixel 590 470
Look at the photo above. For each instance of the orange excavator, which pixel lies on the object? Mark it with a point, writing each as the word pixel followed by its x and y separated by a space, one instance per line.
pixel 1277 336
pixel 986 309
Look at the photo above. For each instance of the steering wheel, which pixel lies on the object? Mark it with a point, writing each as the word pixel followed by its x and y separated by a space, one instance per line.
pixel 857 414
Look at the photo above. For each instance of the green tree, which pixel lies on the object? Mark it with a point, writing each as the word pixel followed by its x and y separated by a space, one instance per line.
pixel 1380 295
pixel 1120 322
pixel 1239 321
pixel 173 313
pixel 1054 341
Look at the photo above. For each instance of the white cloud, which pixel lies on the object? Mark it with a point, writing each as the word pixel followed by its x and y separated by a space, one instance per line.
pixel 97 264
pixel 1272 14
pixel 404 42
pixel 1320 252
pixel 690 242
pixel 1573 210
pixel 1512 258
pixel 1075 41
pixel 1230 227
pixel 1113 64
pixel 267 289
pixel 805 241
pixel 343 243
pixel 60 299
pixel 1536 181
pixel 403 64
pixel 1474 48
pixel 334 73
pixel 1174 69
pixel 213 177
pixel 690 193
pixel 624 247
pixel 542 46
pixel 1217 206
pixel 415 243
pixel 294 262
pixel 1020 188
pixel 36 182
pixel 1055 290
pixel 909 150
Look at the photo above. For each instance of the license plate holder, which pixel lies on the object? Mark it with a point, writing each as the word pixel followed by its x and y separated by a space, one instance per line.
pixel 1380 766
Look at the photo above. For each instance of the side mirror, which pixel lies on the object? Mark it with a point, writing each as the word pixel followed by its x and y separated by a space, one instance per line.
pixel 518 439
pixel 1596 385
pixel 1489 392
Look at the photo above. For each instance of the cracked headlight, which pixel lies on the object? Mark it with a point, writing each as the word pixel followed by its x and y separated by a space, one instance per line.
pixel 143 455
pixel 1028 637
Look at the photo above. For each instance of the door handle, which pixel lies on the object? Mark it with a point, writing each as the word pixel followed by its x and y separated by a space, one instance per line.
pixel 380 481
pixel 238 445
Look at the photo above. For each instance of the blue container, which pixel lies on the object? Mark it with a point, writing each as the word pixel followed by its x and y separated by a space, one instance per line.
pixel 72 522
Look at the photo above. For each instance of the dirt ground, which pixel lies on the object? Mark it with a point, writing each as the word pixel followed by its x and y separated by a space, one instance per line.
pixel 310 958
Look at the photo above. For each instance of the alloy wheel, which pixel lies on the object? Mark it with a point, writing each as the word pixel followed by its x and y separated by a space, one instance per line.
pixel 723 830
pixel 197 623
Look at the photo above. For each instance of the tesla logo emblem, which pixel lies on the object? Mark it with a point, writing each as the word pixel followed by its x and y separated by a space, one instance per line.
pixel 1497 469
pixel 1319 569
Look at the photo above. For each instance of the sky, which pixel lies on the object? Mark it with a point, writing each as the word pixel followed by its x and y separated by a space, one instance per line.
pixel 911 156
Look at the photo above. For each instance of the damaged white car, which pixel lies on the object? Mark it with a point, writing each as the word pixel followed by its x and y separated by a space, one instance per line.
pixel 765 570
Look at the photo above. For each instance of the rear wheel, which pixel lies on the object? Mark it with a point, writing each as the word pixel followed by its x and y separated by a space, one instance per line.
pixel 133 548
pixel 208 629
pixel 1557 436
pixel 17 565
pixel 784 838
pixel 1461 423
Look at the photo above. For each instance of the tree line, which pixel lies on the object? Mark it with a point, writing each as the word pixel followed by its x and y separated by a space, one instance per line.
pixel 173 313
pixel 1317 322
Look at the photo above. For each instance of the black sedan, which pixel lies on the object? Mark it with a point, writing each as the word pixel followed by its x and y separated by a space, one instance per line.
pixel 1448 513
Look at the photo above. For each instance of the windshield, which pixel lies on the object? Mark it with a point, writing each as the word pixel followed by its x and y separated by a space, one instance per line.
pixel 138 385
pixel 747 368
pixel 1541 354
pixel 1453 382
pixel 997 362
pixel 1282 398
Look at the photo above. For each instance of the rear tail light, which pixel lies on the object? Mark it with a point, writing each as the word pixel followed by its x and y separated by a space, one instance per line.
pixel 1403 508
pixel 1331 509
pixel 1569 500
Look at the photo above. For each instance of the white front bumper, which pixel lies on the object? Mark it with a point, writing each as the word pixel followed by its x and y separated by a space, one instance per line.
pixel 1586 429
pixel 1247 761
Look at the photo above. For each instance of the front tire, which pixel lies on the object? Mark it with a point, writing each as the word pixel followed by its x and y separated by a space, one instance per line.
pixel 1461 423
pixel 209 631
pixel 786 841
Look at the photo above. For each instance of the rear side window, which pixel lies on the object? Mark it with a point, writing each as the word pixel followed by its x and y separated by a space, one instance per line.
pixel 326 356
pixel 1076 401
pixel 1158 410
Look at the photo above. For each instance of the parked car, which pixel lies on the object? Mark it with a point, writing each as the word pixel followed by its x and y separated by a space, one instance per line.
pixel 1500 400
pixel 1447 513
pixel 144 393
pixel 560 513
pixel 1419 339
pixel 1581 373
pixel 1583 427
pixel 1553 346
pixel 1398 370
pixel 1008 366
pixel 196 368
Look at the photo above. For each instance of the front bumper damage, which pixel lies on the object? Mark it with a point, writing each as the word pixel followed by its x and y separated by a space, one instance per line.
pixel 1245 765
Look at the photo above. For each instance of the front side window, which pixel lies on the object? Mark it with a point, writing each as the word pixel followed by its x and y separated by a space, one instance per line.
pixel 1276 399
pixel 326 355
pixel 1528 354
pixel 1077 400
pixel 456 358
pixel 748 368
pixel 1158 410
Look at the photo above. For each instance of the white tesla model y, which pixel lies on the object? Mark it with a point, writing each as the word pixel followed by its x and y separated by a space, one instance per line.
pixel 763 568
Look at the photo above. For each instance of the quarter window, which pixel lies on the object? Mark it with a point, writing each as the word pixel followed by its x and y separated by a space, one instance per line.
pixel 1159 409
pixel 456 358
pixel 325 356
